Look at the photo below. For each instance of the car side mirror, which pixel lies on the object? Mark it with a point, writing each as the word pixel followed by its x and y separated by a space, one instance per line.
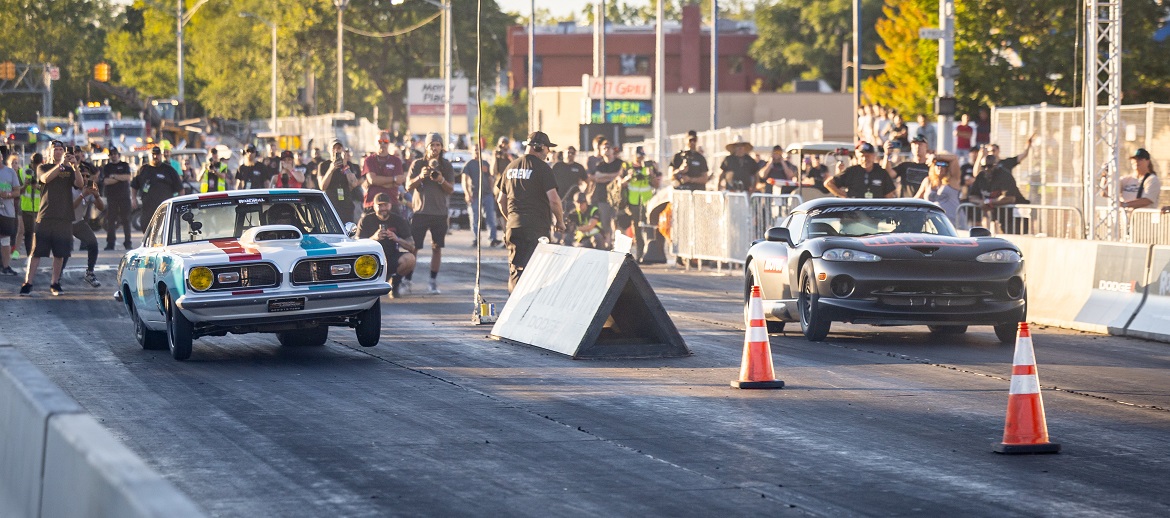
pixel 778 234
pixel 980 232
pixel 350 229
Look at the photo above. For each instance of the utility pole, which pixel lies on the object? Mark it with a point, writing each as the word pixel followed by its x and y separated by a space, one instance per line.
pixel 447 71
pixel 599 53
pixel 946 75
pixel 179 33
pixel 531 66
pixel 660 143
pixel 714 65
pixel 856 65
pixel 341 4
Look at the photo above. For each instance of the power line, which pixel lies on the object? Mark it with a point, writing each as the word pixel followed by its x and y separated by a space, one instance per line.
pixel 407 30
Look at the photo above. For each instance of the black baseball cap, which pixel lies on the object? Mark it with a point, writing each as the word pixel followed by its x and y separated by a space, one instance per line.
pixel 539 138
pixel 381 198
pixel 158 150
pixel 1141 154
pixel 286 154
pixel 919 139
pixel 865 147
pixel 777 147
pixel 250 148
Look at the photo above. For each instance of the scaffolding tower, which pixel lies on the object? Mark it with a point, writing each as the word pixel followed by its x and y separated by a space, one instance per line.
pixel 1102 118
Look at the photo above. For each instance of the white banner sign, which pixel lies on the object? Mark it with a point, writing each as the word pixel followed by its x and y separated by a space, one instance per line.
pixel 618 87
pixel 430 91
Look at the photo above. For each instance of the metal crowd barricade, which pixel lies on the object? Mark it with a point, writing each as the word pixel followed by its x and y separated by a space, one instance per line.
pixel 969 215
pixel 1148 226
pixel 1046 220
pixel 720 226
pixel 769 210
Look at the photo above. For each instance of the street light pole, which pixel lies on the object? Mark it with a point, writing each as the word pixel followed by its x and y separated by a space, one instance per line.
pixel 272 27
pixel 447 70
pixel 179 33
pixel 714 65
pixel 531 66
pixel 856 66
pixel 341 4
pixel 660 143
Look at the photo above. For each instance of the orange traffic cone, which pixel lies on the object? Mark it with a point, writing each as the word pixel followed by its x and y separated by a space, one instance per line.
pixel 755 370
pixel 1025 430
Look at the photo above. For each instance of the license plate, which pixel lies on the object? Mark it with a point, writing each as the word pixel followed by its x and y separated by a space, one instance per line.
pixel 289 304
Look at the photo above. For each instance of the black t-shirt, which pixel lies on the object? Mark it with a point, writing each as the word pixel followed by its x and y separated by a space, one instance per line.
pixel 601 191
pixel 912 175
pixel 567 175
pixel 995 183
pixel 338 190
pixel 429 198
pixel 57 195
pixel 254 176
pixel 857 182
pixel 157 184
pixel 116 193
pixel 696 164
pixel 526 182
pixel 370 224
pixel 743 171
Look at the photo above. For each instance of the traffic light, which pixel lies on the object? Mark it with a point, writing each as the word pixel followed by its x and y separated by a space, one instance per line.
pixel 101 72
pixel 7 71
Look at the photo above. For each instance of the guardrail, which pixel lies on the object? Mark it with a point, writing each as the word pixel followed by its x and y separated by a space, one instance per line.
pixel 1146 226
pixel 1036 220
pixel 720 226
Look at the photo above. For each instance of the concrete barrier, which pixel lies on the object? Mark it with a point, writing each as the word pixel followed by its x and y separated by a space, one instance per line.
pixel 57 461
pixel 27 400
pixel 1119 286
pixel 90 473
pixel 1152 321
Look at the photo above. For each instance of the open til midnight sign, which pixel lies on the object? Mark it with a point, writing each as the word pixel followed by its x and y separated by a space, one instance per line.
pixel 624 112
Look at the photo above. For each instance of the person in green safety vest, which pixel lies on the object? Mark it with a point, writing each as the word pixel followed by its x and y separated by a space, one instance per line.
pixel 638 180
pixel 584 224
pixel 215 176
pixel 30 199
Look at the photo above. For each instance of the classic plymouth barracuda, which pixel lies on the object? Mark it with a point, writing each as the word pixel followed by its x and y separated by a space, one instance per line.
pixel 254 261
pixel 885 262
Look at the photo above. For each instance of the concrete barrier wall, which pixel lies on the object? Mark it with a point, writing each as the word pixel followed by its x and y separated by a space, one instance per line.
pixel 57 461
pixel 1119 289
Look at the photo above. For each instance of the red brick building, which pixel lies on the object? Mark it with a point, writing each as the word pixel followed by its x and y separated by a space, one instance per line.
pixel 565 52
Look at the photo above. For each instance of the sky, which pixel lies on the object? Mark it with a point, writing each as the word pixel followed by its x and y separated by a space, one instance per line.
pixel 557 7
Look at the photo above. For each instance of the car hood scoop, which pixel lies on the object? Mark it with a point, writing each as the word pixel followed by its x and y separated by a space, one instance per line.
pixel 274 234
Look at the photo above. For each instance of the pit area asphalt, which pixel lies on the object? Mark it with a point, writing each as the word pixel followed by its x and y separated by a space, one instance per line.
pixel 441 420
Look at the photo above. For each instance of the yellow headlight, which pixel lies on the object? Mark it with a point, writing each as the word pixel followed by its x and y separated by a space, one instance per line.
pixel 200 278
pixel 366 266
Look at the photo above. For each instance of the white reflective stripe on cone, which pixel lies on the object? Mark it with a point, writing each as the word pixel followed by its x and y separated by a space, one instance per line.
pixel 757 334
pixel 1025 384
pixel 1024 354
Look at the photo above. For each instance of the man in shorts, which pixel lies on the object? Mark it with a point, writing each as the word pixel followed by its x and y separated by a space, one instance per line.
pixel 431 178
pixel 54 224
pixel 392 232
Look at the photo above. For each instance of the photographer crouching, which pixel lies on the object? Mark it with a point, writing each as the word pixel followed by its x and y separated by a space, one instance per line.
pixel 392 232
pixel 432 178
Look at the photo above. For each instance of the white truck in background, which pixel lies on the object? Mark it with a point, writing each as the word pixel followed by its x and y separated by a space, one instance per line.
pixel 96 120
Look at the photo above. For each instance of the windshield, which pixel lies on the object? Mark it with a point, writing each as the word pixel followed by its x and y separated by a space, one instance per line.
pixel 129 132
pixel 96 116
pixel 856 221
pixel 221 218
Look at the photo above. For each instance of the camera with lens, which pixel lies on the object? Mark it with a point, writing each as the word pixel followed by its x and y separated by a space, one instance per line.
pixel 434 171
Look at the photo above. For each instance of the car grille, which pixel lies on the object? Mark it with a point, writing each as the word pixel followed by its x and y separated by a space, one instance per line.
pixel 251 276
pixel 320 271
pixel 929 295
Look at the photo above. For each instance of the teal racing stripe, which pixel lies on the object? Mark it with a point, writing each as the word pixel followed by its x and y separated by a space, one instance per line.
pixel 323 287
pixel 314 246
pixel 282 191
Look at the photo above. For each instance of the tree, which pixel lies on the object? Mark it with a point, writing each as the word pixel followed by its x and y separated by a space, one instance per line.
pixel 907 83
pixel 799 40
pixel 143 52
pixel 507 116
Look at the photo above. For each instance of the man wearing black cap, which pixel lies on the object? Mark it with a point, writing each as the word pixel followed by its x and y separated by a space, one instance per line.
pixel 866 179
pixel 777 176
pixel 336 179
pixel 252 173
pixel 392 232
pixel 528 198
pixel 116 179
pixel 157 182
pixel 1144 188
pixel 912 172
pixel 688 168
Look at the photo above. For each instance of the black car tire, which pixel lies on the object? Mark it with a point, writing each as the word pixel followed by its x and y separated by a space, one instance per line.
pixel 812 323
pixel 312 337
pixel 1006 332
pixel 369 325
pixel 180 332
pixel 948 330
pixel 773 327
pixel 149 340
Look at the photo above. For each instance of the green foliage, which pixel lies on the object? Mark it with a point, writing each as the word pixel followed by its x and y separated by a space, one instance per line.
pixel 60 32
pixel 803 40
pixel 506 117
pixel 908 82
pixel 143 52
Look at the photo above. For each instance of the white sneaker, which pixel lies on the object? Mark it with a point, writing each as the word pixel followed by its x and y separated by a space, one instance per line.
pixel 433 285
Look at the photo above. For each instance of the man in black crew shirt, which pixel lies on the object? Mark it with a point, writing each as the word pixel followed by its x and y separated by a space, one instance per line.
pixel 156 182
pixel 528 198
pixel 116 178
pixel 54 224
pixel 688 168
pixel 867 179
pixel 252 173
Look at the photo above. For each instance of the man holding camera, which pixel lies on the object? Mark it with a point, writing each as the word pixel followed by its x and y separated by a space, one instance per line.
pixel 288 177
pixel 636 185
pixel 912 172
pixel 54 225
pixel 116 179
pixel 157 182
pixel 393 233
pixel 336 179
pixel 528 198
pixel 252 173
pixel 431 178
pixel 215 176
pixel 688 168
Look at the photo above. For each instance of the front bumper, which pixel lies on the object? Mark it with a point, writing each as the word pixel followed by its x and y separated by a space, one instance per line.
pixel 225 308
pixel 922 292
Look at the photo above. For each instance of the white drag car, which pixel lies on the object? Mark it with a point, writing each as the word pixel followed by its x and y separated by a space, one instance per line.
pixel 255 261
